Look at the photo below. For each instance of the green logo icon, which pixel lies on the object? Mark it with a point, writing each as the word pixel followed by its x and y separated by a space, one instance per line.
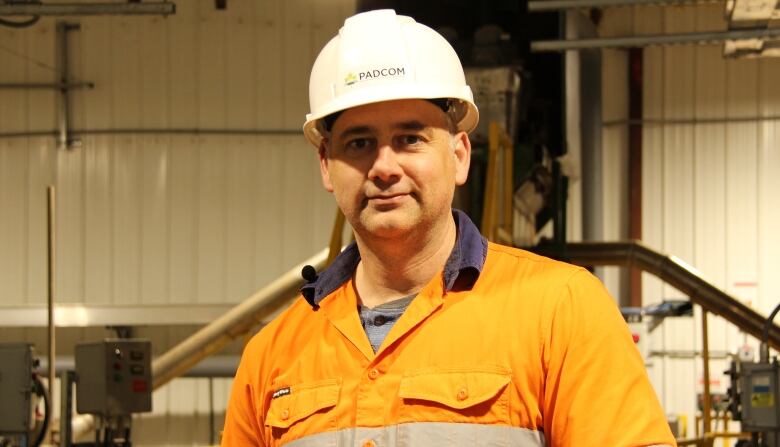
pixel 350 79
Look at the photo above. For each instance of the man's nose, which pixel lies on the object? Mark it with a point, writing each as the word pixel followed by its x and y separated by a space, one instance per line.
pixel 385 167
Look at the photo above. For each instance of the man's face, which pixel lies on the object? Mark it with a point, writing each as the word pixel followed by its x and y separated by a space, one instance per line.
pixel 393 166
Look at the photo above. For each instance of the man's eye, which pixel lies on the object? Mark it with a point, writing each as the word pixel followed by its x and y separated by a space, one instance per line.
pixel 409 140
pixel 358 144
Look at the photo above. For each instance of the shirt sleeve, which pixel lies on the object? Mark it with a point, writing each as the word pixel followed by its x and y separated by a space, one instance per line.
pixel 242 426
pixel 597 391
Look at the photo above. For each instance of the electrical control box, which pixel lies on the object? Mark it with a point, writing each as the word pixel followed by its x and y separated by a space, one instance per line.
pixel 16 387
pixel 760 400
pixel 114 377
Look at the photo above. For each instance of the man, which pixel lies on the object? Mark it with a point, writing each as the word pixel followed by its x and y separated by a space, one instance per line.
pixel 422 333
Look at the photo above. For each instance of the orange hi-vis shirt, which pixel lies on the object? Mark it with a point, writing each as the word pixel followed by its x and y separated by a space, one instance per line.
pixel 503 348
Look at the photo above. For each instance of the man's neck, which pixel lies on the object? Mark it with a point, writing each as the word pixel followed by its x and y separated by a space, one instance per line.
pixel 393 269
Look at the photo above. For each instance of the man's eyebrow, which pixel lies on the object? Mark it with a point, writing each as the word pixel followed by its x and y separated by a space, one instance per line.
pixel 355 130
pixel 362 129
pixel 410 125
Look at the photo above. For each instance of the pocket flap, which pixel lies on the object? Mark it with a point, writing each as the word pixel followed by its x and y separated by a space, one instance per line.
pixel 301 401
pixel 456 389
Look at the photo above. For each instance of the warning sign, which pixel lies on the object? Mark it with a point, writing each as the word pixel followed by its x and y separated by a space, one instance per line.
pixel 761 400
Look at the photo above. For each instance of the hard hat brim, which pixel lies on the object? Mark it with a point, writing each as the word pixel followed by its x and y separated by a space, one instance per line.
pixel 467 122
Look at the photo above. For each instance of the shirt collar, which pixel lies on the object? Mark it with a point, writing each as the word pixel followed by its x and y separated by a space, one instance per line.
pixel 461 270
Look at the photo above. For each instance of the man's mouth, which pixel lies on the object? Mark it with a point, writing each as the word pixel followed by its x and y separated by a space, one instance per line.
pixel 381 200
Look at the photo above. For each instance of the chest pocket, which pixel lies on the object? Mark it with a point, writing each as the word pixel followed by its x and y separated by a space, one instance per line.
pixel 295 409
pixel 457 395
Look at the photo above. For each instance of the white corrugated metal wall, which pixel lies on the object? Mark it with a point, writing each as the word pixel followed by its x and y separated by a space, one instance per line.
pixel 710 189
pixel 165 218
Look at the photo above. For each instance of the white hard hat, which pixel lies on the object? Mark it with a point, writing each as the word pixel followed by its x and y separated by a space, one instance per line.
pixel 380 56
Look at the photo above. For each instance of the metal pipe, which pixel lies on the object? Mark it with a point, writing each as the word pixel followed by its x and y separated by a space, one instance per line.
pixel 676 273
pixel 216 366
pixel 232 324
pixel 693 121
pixel 66 407
pixel 62 110
pixel 47 86
pixel 86 9
pixel 153 131
pixel 705 359
pixel 710 37
pixel 211 411
pixel 688 354
pixel 556 5
pixel 635 110
pixel 50 253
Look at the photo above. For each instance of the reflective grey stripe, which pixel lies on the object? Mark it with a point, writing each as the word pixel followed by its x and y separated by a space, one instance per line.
pixel 427 434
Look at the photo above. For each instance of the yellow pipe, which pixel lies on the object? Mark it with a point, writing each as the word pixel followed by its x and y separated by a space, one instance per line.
pixel 335 237
pixel 488 210
pixel 508 181
pixel 706 363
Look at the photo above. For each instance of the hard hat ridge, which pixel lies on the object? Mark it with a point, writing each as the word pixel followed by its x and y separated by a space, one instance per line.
pixel 380 56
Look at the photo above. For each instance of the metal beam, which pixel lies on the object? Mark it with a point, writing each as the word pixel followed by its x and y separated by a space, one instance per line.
pixel 79 315
pixel 556 5
pixel 154 131
pixel 87 9
pixel 712 37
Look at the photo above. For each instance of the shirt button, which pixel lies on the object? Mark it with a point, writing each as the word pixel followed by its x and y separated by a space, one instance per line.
pixel 379 320
pixel 285 414
pixel 369 443
pixel 373 374
pixel 463 393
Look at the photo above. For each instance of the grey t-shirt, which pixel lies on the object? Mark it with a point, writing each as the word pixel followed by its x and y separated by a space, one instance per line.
pixel 378 321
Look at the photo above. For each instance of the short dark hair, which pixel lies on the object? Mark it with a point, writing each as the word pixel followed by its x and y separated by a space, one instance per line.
pixel 445 104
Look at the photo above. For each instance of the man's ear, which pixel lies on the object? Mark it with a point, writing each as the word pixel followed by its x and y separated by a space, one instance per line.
pixel 462 153
pixel 323 154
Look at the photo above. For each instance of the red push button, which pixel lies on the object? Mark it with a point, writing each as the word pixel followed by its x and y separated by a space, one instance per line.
pixel 140 386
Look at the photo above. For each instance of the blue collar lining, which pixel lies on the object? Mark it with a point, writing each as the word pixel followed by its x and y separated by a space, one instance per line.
pixel 461 270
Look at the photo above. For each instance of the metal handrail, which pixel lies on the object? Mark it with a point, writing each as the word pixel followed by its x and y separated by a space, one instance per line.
pixel 675 272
